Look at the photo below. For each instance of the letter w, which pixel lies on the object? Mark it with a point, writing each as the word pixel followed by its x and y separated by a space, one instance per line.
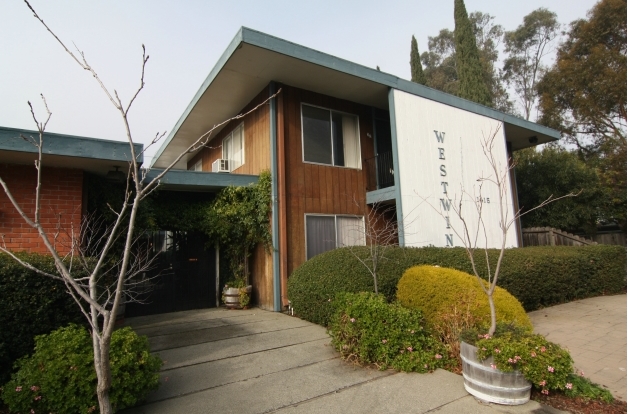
pixel 445 203
pixel 440 136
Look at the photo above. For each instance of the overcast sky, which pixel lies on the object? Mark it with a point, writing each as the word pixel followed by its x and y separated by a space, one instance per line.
pixel 185 39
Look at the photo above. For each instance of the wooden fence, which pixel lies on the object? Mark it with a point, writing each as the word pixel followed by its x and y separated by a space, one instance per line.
pixel 548 236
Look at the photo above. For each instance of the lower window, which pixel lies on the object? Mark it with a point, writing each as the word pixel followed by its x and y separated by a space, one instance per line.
pixel 327 232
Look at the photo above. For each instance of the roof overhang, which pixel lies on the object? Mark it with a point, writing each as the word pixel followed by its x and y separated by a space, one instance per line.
pixel 180 180
pixel 97 156
pixel 254 59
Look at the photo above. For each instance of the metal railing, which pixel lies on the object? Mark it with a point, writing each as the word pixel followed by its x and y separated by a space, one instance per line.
pixel 380 171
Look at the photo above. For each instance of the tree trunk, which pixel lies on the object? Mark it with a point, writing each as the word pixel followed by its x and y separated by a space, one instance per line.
pixel 103 372
pixel 491 303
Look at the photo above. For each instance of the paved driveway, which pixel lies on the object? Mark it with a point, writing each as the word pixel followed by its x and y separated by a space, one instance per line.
pixel 594 331
pixel 253 361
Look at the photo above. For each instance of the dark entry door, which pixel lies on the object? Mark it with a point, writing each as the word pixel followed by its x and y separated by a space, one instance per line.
pixel 183 278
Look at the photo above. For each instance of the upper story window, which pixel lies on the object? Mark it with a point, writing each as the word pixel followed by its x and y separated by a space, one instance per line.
pixel 233 148
pixel 330 137
pixel 198 166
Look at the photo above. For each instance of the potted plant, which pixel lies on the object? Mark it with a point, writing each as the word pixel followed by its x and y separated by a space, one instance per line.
pixel 236 294
pixel 497 365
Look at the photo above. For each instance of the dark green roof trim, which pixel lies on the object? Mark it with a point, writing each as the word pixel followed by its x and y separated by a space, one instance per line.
pixel 68 145
pixel 210 78
pixel 268 42
pixel 200 179
pixel 278 45
pixel 381 195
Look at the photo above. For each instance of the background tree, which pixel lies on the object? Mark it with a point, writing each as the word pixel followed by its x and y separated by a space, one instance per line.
pixel 584 96
pixel 525 48
pixel 555 170
pixel 472 85
pixel 440 60
pixel 416 69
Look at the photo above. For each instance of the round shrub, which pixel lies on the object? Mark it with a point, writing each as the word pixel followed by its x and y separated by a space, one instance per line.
pixel 60 377
pixel 368 330
pixel 436 289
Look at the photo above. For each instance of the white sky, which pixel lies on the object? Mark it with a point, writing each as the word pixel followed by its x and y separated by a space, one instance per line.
pixel 185 39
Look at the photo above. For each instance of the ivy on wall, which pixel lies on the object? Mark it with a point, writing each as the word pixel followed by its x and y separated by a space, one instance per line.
pixel 236 218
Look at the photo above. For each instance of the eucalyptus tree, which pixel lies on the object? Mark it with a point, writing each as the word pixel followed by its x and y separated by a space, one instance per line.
pixel 525 48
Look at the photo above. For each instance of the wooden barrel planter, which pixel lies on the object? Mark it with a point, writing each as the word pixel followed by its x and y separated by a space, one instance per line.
pixel 490 384
pixel 232 296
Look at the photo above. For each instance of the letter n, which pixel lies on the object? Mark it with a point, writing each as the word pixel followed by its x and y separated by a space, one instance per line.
pixel 450 239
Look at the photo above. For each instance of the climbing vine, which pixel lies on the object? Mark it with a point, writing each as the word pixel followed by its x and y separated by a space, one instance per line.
pixel 238 219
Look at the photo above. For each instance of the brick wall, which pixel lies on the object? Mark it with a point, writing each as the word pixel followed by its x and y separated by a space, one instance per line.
pixel 60 211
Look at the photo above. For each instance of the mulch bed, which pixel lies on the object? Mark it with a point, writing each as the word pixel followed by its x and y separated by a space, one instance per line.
pixel 579 405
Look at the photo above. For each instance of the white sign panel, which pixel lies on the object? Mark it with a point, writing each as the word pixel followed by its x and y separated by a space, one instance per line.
pixel 441 159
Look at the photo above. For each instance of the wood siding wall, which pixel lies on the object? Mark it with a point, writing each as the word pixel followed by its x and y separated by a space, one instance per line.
pixel 256 160
pixel 256 140
pixel 322 189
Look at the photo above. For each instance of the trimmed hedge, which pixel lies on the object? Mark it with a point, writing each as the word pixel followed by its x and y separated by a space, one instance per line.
pixel 434 290
pixel 537 276
pixel 30 305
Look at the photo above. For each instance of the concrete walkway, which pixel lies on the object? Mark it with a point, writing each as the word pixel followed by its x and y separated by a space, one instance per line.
pixel 253 361
pixel 594 331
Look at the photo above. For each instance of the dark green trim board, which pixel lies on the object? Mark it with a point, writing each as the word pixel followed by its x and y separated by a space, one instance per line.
pixel 284 47
pixel 199 180
pixel 397 187
pixel 210 78
pixel 272 88
pixel 264 48
pixel 381 195
pixel 68 145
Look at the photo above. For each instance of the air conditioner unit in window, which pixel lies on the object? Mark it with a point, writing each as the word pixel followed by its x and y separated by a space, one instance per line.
pixel 220 165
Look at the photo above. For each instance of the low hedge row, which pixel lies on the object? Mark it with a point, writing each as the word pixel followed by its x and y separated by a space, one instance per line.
pixel 537 276
pixel 30 305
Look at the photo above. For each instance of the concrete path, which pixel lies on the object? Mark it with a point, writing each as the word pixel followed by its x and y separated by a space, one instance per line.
pixel 594 331
pixel 253 361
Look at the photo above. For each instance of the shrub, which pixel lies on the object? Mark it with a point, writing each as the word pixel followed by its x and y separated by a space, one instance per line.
pixel 537 276
pixel 434 290
pixel 60 376
pixel 545 364
pixel 368 330
pixel 30 305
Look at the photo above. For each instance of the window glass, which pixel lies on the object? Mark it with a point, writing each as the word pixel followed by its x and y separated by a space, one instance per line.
pixel 324 233
pixel 233 148
pixel 320 234
pixel 316 135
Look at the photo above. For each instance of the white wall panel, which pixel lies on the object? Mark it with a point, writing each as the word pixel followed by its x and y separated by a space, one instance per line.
pixel 423 161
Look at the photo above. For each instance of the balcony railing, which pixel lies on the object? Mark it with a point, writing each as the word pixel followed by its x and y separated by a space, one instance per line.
pixel 380 171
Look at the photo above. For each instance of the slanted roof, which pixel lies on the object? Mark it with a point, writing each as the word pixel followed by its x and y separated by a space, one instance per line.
pixel 93 155
pixel 254 59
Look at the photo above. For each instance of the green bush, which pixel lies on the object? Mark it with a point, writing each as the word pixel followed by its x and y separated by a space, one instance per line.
pixel 537 276
pixel 434 290
pixel 30 305
pixel 545 364
pixel 60 376
pixel 368 330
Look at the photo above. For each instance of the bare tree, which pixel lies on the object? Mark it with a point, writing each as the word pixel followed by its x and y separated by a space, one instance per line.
pixel 100 305
pixel 379 233
pixel 476 237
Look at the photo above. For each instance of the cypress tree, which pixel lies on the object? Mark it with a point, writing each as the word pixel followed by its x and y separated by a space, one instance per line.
pixel 470 75
pixel 416 68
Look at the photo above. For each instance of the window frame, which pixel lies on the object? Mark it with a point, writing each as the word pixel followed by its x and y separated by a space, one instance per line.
pixel 230 136
pixel 335 216
pixel 331 112
pixel 197 166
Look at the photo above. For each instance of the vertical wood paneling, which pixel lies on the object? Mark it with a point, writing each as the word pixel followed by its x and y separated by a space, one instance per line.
pixel 256 140
pixel 319 189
